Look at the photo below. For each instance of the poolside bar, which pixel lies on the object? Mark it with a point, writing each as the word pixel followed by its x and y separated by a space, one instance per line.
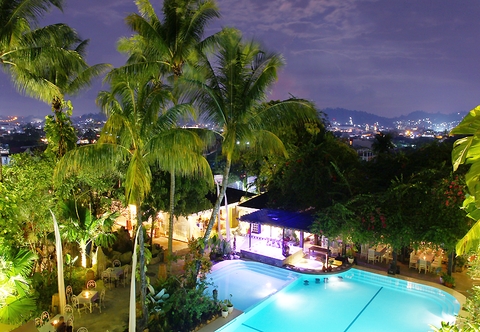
pixel 280 249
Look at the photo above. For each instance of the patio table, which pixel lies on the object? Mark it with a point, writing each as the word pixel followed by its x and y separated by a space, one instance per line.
pixel 380 251
pixel 115 273
pixel 87 297
pixel 48 326
pixel 318 249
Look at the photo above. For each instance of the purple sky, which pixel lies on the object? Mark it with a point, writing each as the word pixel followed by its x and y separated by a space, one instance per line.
pixel 387 57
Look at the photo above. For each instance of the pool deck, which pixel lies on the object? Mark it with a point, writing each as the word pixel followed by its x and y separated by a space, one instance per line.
pixel 114 316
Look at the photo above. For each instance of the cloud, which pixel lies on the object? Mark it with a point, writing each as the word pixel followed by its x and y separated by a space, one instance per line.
pixel 109 12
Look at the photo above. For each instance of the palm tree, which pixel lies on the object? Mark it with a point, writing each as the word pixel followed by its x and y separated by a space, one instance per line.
pixel 140 131
pixel 165 46
pixel 20 44
pixel 162 47
pixel 84 228
pixel 69 78
pixel 45 63
pixel 231 93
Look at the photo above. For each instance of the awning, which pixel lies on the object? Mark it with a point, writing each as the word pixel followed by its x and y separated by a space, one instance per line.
pixel 300 221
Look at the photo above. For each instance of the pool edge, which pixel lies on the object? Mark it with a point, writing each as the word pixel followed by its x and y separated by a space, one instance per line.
pixel 457 295
pixel 216 326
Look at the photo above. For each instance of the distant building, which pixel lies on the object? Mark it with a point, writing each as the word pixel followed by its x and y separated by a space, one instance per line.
pixel 4 155
pixel 365 154
pixel 363 148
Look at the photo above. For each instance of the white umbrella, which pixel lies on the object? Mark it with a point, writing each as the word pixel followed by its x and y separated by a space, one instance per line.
pixel 58 249
pixel 132 315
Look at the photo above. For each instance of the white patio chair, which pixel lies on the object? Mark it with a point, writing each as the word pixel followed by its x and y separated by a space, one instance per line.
pixel 69 293
pixel 70 323
pixel 371 256
pixel 437 263
pixel 422 265
pixel 38 322
pixel 364 251
pixel 106 277
pixel 77 305
pixel 45 317
pixel 91 284
pixel 68 312
pixel 100 302
pixel 413 260
pixel 102 299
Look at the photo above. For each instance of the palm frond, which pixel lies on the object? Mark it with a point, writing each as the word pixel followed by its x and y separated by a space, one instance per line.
pixel 84 78
pixel 100 157
pixel 22 263
pixel 29 10
pixel 17 309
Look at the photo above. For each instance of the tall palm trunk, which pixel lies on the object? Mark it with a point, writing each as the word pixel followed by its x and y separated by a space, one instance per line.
pixel 57 109
pixel 170 224
pixel 143 278
pixel 451 261
pixel 216 207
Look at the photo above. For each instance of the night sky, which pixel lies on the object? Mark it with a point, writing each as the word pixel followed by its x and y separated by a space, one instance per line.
pixel 386 57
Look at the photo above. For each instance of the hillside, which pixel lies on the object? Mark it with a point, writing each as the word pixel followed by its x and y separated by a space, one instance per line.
pixel 343 116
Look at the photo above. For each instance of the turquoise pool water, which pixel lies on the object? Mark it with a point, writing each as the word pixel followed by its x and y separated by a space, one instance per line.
pixel 275 299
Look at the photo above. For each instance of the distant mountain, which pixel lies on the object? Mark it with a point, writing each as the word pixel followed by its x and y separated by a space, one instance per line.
pixel 339 115
pixel 343 116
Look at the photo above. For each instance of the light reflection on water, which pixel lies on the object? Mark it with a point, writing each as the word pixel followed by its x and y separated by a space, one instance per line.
pixel 358 301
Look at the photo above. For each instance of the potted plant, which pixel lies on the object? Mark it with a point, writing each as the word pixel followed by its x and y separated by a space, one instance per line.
pixel 229 304
pixel 448 280
pixel 351 255
pixel 224 310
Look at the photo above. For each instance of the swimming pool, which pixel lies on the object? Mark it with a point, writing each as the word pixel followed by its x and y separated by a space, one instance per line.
pixel 275 299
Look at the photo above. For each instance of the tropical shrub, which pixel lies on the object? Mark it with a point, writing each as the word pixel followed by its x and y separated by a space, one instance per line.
pixel 17 301
pixel 188 304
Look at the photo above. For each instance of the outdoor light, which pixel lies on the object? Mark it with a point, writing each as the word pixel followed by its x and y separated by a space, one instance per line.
pixel 133 211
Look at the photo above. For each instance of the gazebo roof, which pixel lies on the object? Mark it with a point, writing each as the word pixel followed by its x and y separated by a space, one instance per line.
pixel 233 196
pixel 279 218
pixel 257 202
